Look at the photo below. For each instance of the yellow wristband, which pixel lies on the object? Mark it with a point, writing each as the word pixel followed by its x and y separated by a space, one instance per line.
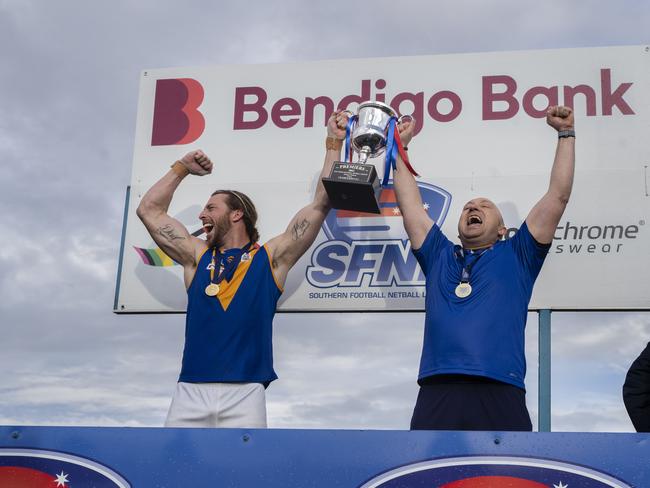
pixel 180 169
pixel 331 143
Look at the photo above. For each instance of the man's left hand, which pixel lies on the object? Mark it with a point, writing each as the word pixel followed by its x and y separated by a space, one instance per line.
pixel 406 129
pixel 560 117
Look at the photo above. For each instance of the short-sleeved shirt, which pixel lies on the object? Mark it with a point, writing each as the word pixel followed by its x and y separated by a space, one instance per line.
pixel 228 337
pixel 482 334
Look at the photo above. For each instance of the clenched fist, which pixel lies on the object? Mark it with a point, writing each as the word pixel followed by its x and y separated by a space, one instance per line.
pixel 197 163
pixel 406 127
pixel 337 123
pixel 560 118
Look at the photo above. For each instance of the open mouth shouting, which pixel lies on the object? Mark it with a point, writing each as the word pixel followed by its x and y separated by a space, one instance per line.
pixel 474 221
pixel 207 228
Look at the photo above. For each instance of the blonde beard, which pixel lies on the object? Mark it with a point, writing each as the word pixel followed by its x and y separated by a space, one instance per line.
pixel 221 228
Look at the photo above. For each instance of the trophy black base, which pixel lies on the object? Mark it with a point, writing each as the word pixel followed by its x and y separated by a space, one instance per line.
pixel 352 186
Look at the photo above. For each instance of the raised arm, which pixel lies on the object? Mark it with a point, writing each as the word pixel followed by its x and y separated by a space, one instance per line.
pixel 172 236
pixel 416 220
pixel 545 215
pixel 287 248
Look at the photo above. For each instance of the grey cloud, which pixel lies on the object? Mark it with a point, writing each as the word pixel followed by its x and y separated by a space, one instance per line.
pixel 68 97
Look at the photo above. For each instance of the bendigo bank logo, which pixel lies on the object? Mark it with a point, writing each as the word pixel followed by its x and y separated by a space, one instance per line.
pixel 494 472
pixel 374 246
pixel 31 468
pixel 176 118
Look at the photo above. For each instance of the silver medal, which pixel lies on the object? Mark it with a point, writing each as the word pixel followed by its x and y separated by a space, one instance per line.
pixel 463 290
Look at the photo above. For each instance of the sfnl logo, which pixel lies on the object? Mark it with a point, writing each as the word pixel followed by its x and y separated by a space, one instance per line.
pixel 367 249
pixel 494 472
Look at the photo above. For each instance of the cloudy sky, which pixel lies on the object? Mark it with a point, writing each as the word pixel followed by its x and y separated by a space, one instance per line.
pixel 68 95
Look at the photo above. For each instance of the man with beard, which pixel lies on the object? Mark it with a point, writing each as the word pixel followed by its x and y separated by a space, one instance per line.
pixel 233 285
pixel 473 366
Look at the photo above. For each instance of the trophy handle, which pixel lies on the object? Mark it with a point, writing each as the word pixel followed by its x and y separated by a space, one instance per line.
pixel 409 117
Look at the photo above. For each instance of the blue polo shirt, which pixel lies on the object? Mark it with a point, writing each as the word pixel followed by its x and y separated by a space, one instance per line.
pixel 482 334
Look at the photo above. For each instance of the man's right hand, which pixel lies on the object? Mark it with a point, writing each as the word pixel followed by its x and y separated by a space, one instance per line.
pixel 337 123
pixel 197 163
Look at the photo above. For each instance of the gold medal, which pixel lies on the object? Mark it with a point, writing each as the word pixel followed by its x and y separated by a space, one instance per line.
pixel 463 290
pixel 212 289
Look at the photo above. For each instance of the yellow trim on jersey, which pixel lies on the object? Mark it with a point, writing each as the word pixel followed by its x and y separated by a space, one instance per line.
pixel 228 289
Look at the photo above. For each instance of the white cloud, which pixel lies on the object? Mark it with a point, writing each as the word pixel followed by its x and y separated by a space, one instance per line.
pixel 94 255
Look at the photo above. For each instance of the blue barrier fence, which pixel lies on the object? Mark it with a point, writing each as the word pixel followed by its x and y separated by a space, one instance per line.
pixel 76 457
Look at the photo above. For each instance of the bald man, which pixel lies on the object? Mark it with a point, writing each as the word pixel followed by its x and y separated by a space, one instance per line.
pixel 473 365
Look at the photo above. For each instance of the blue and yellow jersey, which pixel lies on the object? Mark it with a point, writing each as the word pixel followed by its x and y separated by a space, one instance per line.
pixel 228 337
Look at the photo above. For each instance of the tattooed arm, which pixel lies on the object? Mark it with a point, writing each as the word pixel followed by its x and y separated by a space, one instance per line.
pixel 287 248
pixel 167 232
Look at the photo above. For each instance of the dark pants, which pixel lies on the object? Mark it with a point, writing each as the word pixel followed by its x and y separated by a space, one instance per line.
pixel 459 402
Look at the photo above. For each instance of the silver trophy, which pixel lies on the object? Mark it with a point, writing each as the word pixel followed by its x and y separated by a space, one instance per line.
pixel 369 136
pixel 355 185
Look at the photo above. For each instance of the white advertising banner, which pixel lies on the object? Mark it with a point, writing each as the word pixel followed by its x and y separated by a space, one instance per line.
pixel 481 131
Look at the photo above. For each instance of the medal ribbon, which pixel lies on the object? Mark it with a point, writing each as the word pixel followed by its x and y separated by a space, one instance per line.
pixel 227 269
pixel 467 268
pixel 348 133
